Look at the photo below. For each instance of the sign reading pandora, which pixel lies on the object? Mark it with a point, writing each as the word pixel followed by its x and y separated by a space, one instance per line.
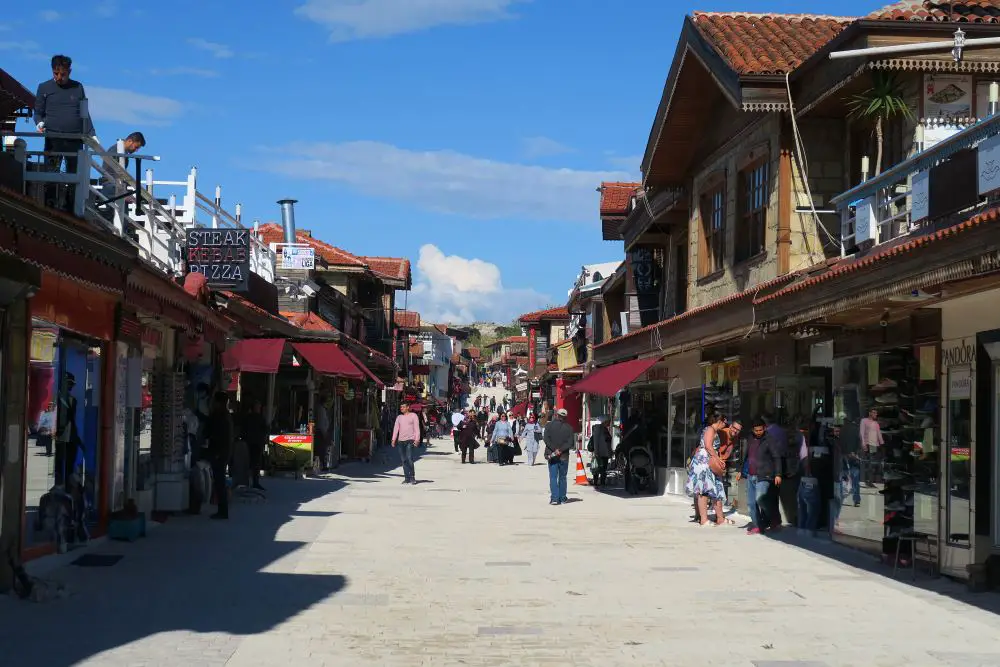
pixel 221 255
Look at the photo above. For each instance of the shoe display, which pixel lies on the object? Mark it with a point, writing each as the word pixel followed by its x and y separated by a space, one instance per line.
pixel 884 384
pixel 889 398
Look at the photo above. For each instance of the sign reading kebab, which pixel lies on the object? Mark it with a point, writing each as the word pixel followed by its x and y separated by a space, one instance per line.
pixel 221 255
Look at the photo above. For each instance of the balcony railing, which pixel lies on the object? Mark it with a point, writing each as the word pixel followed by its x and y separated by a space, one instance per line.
pixel 153 215
pixel 956 176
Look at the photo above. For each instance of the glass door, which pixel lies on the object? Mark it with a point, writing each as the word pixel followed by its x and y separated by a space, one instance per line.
pixel 995 389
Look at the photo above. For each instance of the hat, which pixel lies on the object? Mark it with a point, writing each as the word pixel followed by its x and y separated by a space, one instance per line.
pixel 561 412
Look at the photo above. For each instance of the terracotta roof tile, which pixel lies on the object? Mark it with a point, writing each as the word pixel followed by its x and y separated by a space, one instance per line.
pixel 407 319
pixel 560 313
pixel 308 321
pixel 615 196
pixel 272 232
pixel 394 268
pixel 880 254
pixel 968 11
pixel 767 43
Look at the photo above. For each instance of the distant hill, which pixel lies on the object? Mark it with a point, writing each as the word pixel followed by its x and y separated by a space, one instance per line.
pixel 485 333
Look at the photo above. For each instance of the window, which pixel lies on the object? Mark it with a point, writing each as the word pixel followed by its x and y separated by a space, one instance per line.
pixel 753 210
pixel 713 224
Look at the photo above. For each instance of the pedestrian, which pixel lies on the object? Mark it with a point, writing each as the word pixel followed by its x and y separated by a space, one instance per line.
pixel 531 436
pixel 762 471
pixel 502 439
pixel 705 472
pixel 456 420
pixel 558 436
pixel 219 433
pixel 59 110
pixel 465 434
pixel 405 436
pixel 255 434
pixel 600 446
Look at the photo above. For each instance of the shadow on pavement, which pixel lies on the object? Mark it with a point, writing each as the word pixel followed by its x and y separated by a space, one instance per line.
pixel 190 574
pixel 384 464
pixel 937 585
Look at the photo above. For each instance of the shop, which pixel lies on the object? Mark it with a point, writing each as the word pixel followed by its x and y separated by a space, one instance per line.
pixel 886 413
pixel 969 455
pixel 71 375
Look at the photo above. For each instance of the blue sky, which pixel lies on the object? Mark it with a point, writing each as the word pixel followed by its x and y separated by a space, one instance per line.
pixel 467 135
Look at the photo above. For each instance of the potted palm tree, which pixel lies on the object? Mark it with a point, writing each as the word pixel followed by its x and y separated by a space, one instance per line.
pixel 879 104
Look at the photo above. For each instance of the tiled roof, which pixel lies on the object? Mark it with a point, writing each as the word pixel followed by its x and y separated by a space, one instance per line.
pixel 394 268
pixel 767 43
pixel 991 216
pixel 615 196
pixel 473 352
pixel 308 321
pixel 407 319
pixel 560 313
pixel 272 232
pixel 969 11
pixel 13 95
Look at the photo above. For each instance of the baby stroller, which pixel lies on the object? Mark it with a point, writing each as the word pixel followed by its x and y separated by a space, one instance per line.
pixel 639 473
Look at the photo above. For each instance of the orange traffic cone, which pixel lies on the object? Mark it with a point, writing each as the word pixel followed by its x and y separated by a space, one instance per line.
pixel 581 472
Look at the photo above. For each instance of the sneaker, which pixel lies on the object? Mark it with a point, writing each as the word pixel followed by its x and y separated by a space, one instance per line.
pixel 753 531
pixel 885 383
pixel 887 399
pixel 553 502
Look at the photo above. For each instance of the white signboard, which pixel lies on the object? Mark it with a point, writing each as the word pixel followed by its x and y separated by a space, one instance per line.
pixel 947 97
pixel 920 193
pixel 988 165
pixel 864 221
pixel 521 386
pixel 298 257
pixel 959 384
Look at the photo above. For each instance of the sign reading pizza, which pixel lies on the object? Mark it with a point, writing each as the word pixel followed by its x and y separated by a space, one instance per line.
pixel 221 255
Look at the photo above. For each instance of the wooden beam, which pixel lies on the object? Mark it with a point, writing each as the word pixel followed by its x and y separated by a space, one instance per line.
pixel 785 195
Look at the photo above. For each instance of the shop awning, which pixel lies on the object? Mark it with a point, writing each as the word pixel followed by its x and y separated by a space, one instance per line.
pixel 364 369
pixel 329 359
pixel 609 380
pixel 519 410
pixel 254 355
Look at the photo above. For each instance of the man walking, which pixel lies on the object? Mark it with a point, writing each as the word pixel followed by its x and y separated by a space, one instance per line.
pixel 558 438
pixel 405 436
pixel 465 435
pixel 219 431
pixel 58 109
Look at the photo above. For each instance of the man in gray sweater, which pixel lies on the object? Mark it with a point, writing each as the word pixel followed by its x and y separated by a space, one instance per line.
pixel 559 438
pixel 59 109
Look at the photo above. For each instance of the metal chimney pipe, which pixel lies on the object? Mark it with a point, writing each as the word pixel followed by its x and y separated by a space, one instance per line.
pixel 288 219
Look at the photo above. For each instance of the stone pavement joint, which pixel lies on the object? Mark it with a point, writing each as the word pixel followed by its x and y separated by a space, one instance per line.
pixel 357 571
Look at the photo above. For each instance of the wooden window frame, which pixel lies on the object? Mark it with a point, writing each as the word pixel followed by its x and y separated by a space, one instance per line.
pixel 753 201
pixel 712 230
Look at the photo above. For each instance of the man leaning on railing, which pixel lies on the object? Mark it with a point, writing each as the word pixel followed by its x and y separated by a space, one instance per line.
pixel 131 144
pixel 59 109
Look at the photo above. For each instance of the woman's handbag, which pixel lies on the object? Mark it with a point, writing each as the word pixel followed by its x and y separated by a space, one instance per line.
pixel 517 448
pixel 717 466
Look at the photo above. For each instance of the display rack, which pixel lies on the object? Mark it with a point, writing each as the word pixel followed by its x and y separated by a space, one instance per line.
pixel 168 446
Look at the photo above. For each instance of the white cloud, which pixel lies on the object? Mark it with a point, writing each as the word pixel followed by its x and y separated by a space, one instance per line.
pixel 458 290
pixel 446 181
pixel 629 163
pixel 215 48
pixel 50 15
pixel 126 106
pixel 361 19
pixel 185 71
pixel 106 8
pixel 536 147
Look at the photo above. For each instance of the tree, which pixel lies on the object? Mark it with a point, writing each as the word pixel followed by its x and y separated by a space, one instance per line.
pixel 879 104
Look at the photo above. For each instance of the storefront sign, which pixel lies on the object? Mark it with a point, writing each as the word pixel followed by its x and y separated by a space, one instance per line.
pixel 959 384
pixel 658 373
pixel 521 386
pixel 221 255
pixel 958 353
pixel 293 440
pixel 297 257
pixel 947 97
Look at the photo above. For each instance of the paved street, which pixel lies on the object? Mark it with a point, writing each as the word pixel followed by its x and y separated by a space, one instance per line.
pixel 473 567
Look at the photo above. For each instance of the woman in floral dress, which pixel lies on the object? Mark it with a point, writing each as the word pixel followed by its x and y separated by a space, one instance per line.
pixel 702 483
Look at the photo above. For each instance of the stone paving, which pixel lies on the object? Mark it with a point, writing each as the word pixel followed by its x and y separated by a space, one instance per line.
pixel 473 567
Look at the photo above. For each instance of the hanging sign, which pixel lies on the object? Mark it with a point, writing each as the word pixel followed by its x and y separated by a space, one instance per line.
pixel 297 257
pixel 221 255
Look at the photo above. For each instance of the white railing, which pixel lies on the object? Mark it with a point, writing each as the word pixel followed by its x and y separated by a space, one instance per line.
pixel 897 202
pixel 147 214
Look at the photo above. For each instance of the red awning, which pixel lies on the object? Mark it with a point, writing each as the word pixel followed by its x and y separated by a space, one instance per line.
pixel 519 410
pixel 609 380
pixel 329 359
pixel 254 355
pixel 364 369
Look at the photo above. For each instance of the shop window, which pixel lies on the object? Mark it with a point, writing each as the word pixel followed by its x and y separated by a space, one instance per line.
pixel 713 229
pixel 685 425
pixel 753 202
pixel 63 458
pixel 958 450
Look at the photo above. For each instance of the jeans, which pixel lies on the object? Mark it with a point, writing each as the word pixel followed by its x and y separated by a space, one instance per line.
pixel 767 507
pixel 751 481
pixel 854 474
pixel 808 504
pixel 557 480
pixel 405 448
